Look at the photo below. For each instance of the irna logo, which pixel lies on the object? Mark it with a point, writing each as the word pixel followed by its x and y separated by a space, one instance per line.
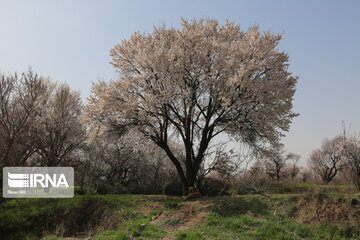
pixel 38 182
pixel 34 180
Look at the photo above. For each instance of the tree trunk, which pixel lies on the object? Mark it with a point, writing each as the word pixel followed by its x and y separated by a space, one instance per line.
pixel 185 189
pixel 188 182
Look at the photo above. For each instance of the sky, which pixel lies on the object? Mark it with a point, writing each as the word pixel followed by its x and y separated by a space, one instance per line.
pixel 69 41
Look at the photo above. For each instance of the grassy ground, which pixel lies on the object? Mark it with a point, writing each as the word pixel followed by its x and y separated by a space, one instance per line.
pixel 282 216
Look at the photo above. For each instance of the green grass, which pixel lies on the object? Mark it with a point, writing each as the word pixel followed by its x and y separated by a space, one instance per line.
pixel 251 217
pixel 310 185
pixel 138 227
pixel 230 217
pixel 20 218
pixel 248 227
pixel 18 215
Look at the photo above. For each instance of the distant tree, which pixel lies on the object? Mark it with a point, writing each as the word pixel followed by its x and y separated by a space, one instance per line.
pixel 116 160
pixel 218 168
pixel 305 174
pixel 257 168
pixel 58 130
pixel 352 156
pixel 221 160
pixel 21 97
pixel 275 162
pixel 161 169
pixel 40 123
pixel 127 161
pixel 293 169
pixel 328 161
pixel 193 84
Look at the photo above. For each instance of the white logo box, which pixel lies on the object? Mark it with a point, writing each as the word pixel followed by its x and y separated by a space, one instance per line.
pixel 38 182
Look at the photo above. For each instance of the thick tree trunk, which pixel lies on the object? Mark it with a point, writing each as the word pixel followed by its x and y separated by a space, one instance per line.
pixel 278 176
pixel 188 181
pixel 185 189
pixel 192 163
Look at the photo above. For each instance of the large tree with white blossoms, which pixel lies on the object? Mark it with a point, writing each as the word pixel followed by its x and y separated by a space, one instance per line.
pixel 191 84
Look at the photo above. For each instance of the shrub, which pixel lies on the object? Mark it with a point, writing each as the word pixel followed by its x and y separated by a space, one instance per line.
pixel 213 186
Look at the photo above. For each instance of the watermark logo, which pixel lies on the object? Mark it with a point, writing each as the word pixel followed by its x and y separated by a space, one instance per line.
pixel 18 180
pixel 38 182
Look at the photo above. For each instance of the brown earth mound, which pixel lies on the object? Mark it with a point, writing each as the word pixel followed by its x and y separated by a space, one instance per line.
pixel 87 219
pixel 185 217
pixel 340 211
pixel 149 208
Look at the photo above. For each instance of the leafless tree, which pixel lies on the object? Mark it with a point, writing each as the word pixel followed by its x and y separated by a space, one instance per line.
pixel 21 97
pixel 305 174
pixel 329 160
pixel 127 161
pixel 58 130
pixel 275 161
pixel 221 160
pixel 257 168
pixel 352 158
pixel 291 169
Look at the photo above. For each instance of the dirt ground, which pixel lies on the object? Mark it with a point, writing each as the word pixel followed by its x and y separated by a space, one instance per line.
pixel 338 212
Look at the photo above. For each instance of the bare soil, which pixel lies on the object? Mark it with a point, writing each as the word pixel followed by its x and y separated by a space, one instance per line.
pixel 339 212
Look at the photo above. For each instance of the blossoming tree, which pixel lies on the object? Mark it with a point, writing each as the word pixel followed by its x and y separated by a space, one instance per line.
pixel 191 84
pixel 328 161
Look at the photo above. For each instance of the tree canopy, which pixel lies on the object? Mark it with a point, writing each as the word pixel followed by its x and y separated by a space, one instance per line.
pixel 191 84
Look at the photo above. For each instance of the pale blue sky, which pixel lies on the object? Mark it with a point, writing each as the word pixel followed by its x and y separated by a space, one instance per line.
pixel 70 40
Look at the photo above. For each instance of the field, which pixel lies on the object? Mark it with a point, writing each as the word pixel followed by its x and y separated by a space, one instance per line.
pixel 299 212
